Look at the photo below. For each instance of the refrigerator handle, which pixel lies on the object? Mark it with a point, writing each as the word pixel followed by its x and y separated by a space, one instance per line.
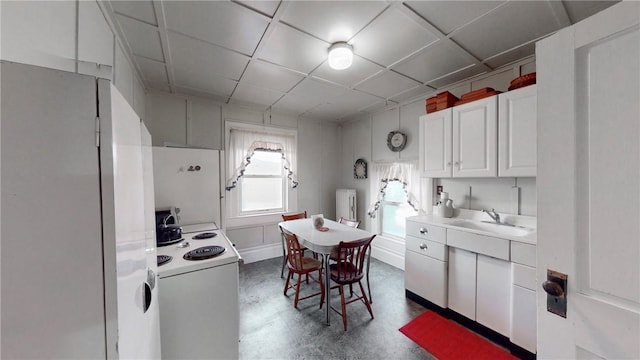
pixel 146 297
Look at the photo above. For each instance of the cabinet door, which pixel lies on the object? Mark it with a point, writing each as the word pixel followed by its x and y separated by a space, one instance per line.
pixel 426 277
pixel 517 132
pixel 523 318
pixel 475 138
pixel 493 293
pixel 462 282
pixel 435 144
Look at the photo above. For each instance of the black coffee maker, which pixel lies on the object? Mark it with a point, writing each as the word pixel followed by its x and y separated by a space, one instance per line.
pixel 167 230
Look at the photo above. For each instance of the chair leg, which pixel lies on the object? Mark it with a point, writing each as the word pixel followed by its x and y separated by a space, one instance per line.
pixel 322 294
pixel 295 302
pixel 286 284
pixel 344 308
pixel 369 288
pixel 284 264
pixel 366 301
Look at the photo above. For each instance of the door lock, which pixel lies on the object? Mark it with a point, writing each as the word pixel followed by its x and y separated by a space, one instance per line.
pixel 556 289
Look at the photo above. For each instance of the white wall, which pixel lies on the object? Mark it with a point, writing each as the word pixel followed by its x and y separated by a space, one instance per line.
pixel 366 137
pixel 72 36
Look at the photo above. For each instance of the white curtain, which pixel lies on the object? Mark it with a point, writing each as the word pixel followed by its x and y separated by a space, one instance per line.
pixel 382 174
pixel 242 145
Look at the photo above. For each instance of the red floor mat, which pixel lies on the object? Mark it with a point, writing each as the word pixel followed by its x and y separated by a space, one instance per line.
pixel 446 339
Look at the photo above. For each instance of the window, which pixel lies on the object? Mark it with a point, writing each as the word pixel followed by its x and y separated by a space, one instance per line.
pixel 395 209
pixel 261 172
pixel 263 185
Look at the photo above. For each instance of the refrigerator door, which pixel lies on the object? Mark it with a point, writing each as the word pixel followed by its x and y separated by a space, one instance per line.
pixel 51 261
pixel 126 222
pixel 188 179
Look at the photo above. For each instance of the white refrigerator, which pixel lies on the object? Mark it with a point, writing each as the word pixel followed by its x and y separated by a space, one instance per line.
pixel 77 260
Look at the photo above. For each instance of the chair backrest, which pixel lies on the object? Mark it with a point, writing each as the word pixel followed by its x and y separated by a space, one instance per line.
pixel 296 216
pixel 294 250
pixel 352 223
pixel 351 258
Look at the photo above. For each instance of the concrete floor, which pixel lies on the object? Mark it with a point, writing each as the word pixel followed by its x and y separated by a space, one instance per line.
pixel 271 328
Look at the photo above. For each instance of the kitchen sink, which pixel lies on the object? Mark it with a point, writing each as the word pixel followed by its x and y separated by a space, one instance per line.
pixel 503 229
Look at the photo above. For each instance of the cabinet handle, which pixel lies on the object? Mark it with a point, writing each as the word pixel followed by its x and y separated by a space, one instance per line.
pixel 423 247
pixel 423 231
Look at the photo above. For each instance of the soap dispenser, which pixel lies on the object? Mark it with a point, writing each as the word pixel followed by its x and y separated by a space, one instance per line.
pixel 444 207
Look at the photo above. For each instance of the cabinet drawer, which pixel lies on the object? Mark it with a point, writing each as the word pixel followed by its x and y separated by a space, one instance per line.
pixel 524 276
pixel 427 231
pixel 522 253
pixel 426 277
pixel 430 248
pixel 486 245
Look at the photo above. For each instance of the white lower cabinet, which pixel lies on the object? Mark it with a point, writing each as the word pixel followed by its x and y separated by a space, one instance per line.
pixel 462 282
pixel 493 300
pixel 523 318
pixel 426 277
pixel 479 288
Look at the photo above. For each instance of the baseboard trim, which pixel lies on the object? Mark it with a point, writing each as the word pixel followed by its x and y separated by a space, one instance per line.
pixel 259 253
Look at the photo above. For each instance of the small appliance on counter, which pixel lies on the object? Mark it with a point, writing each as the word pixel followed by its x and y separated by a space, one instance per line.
pixel 444 207
pixel 167 229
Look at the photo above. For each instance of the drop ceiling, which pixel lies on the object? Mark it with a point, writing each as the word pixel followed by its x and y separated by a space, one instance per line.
pixel 272 54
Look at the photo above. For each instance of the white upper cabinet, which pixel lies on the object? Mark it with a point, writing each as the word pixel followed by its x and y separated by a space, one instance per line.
pixel 435 144
pixel 517 111
pixel 475 138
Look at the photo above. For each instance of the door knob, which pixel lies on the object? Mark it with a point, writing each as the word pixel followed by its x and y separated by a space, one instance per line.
pixel 553 288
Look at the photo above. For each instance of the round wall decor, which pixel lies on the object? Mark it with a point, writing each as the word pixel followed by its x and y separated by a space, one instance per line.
pixel 396 140
pixel 360 169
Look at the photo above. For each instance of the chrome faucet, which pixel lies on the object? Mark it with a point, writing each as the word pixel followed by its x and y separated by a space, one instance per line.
pixel 493 214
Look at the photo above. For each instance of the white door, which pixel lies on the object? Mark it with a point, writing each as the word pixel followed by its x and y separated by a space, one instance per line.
pixel 124 219
pixel 589 185
pixel 475 138
pixel 435 144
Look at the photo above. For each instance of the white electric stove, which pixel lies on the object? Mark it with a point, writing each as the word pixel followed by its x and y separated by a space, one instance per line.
pixel 199 311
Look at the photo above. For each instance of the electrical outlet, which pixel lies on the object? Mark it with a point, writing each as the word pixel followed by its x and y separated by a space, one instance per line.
pixel 438 189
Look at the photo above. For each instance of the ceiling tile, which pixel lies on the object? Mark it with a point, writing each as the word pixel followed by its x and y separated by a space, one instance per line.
pixel 332 21
pixel 513 55
pixel 255 95
pixel 218 22
pixel 435 61
pixel 377 106
pixel 195 56
pixel 144 39
pixel 293 49
pixel 202 94
pixel 208 83
pixel 359 70
pixel 580 10
pixel 420 91
pixel 387 84
pixel 319 91
pixel 508 26
pixel 351 100
pixel 139 9
pixel 158 86
pixel 458 76
pixel 270 76
pixel 391 37
pixel 152 71
pixel 450 15
pixel 267 7
pixel 298 104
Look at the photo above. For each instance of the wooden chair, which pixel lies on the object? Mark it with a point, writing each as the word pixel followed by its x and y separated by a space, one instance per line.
pixel 302 215
pixel 355 224
pixel 300 265
pixel 348 270
pixel 352 223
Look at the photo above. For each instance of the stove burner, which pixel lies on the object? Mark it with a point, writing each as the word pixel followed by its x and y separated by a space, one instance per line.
pixel 205 252
pixel 163 259
pixel 206 235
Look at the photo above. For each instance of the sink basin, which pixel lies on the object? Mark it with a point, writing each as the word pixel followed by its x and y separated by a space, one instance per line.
pixel 509 230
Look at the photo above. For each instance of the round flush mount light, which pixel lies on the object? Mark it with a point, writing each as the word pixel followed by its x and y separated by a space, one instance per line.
pixel 340 56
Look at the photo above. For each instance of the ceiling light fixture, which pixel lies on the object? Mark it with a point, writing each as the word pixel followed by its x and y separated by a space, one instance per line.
pixel 340 55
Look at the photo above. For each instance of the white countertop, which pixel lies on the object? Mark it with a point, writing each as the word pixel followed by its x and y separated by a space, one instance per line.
pixel 472 215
